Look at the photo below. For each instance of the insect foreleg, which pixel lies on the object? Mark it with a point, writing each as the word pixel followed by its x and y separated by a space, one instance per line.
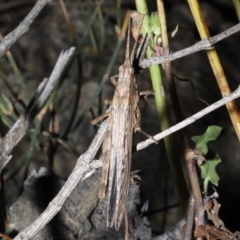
pixel 100 118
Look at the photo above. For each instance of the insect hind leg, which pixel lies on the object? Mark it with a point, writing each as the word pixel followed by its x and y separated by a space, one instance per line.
pixel 137 127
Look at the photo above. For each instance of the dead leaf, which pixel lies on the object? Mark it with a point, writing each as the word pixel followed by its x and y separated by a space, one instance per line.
pixel 212 208
pixel 212 233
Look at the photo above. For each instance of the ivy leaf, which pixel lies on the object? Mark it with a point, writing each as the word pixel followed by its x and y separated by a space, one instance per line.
pixel 208 171
pixel 211 134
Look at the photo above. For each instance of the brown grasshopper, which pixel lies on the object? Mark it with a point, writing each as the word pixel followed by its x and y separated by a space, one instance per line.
pixel 123 119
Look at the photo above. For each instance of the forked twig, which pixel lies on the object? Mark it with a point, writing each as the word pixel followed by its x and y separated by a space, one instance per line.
pixel 44 90
pixel 23 27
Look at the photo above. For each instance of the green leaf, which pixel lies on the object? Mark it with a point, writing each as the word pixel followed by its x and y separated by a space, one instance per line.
pixel 211 134
pixel 208 171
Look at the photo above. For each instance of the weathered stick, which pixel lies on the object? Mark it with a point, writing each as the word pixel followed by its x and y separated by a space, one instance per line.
pixel 23 27
pixel 44 90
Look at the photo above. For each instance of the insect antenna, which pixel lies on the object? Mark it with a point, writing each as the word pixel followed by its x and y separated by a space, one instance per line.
pixel 127 54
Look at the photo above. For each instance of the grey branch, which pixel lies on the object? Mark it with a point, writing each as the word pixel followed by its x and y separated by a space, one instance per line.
pixel 81 171
pixel 191 119
pixel 23 27
pixel 205 44
pixel 45 88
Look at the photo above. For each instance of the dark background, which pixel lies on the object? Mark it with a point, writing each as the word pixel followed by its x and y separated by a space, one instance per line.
pixel 37 51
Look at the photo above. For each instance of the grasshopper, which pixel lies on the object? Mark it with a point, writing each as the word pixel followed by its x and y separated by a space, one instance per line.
pixel 123 119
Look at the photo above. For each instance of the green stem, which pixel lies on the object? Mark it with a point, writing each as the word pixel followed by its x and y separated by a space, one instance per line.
pixel 90 23
pixel 19 76
pixel 106 75
pixel 162 110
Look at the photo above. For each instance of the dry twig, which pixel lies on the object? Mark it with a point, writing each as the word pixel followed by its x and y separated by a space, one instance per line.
pixel 44 90
pixel 23 27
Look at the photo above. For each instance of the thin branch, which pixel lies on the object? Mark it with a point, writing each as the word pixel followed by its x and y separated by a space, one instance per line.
pixel 191 157
pixel 45 88
pixel 44 91
pixel 204 44
pixel 83 169
pixel 190 219
pixel 23 27
pixel 234 95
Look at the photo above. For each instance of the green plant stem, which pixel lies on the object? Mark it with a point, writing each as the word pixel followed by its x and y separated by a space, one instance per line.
pixel 118 14
pixel 78 63
pixel 90 23
pixel 106 75
pixel 162 110
pixel 30 150
pixel 99 89
pixel 18 75
pixel 101 27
